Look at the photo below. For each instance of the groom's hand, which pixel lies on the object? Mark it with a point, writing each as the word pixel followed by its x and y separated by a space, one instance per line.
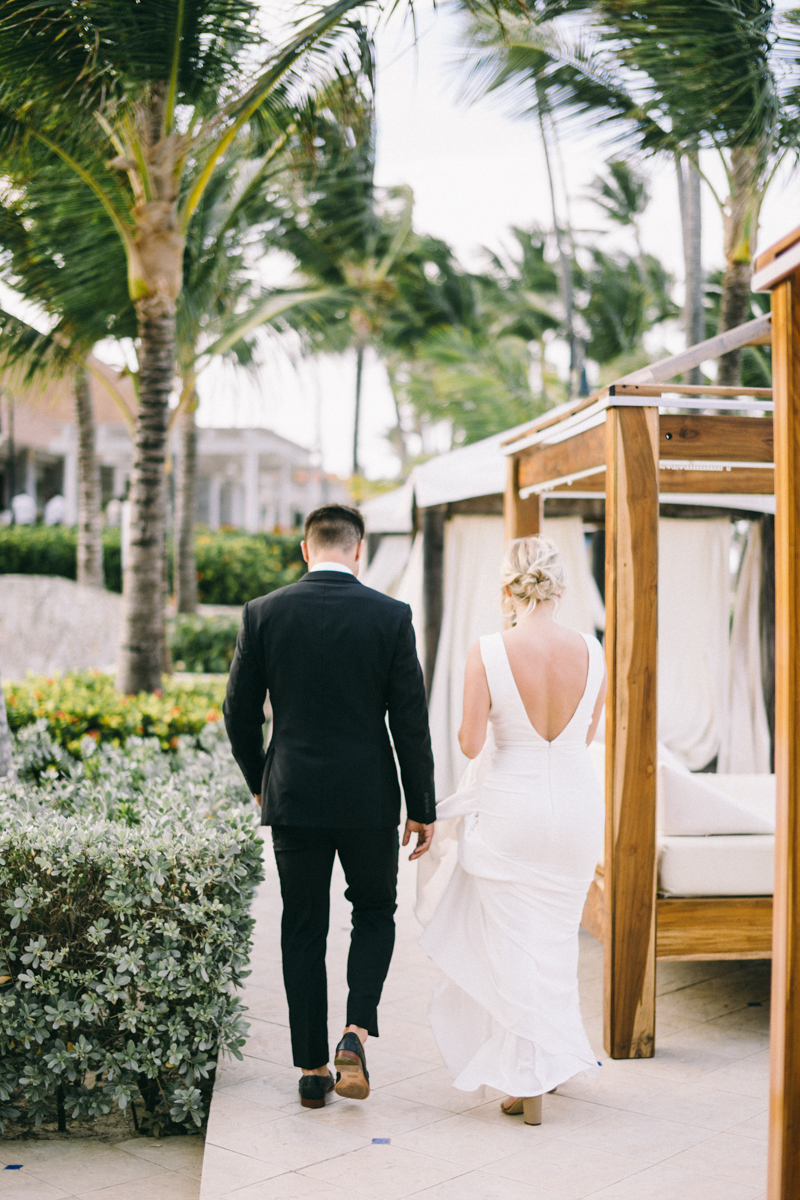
pixel 424 838
pixel 257 798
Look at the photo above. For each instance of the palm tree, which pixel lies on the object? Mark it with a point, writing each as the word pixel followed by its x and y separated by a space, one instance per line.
pixel 56 254
pixel 714 74
pixel 142 101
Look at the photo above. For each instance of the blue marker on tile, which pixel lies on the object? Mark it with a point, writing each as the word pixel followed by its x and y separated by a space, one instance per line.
pixel 13 1167
pixel 381 1141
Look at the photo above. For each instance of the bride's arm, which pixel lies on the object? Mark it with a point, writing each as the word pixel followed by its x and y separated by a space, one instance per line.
pixel 477 702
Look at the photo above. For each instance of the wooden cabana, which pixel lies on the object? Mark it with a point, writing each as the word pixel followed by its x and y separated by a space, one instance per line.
pixel 633 442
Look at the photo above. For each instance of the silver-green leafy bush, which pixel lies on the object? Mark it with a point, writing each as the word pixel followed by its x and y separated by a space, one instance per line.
pixel 125 887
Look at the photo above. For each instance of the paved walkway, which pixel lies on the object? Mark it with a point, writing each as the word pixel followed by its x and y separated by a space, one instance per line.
pixel 689 1124
pixel 138 1169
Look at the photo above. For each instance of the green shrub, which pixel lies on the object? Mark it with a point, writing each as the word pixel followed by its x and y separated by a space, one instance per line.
pixel 86 703
pixel 52 550
pixel 119 954
pixel 203 644
pixel 233 567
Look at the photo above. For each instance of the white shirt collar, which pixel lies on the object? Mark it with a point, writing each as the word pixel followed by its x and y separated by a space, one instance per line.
pixel 331 566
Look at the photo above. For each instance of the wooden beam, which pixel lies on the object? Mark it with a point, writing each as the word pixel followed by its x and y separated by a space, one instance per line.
pixel 708 927
pixel 777 248
pixel 432 583
pixel 538 464
pixel 784 1113
pixel 656 390
pixel 522 517
pixel 631 721
pixel 745 439
pixel 740 481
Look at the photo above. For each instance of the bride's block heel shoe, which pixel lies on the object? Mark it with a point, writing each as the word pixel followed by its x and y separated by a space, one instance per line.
pixel 532 1110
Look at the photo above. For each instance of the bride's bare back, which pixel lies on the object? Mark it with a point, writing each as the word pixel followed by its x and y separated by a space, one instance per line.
pixel 550 665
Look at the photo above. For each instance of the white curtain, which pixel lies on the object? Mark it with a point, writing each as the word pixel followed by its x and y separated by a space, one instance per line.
pixel 693 637
pixel 409 589
pixel 473 554
pixel 581 607
pixel 744 749
pixel 388 564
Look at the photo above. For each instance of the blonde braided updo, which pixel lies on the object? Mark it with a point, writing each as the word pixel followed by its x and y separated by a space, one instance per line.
pixel 532 571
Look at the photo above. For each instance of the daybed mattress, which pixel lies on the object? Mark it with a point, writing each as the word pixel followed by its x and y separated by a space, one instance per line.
pixel 733 865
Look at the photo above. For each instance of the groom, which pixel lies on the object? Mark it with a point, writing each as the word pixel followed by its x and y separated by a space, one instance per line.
pixel 335 657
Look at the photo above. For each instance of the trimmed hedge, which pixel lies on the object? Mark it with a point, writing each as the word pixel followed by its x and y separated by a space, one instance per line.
pixel 53 550
pixel 86 703
pixel 120 952
pixel 232 567
pixel 203 644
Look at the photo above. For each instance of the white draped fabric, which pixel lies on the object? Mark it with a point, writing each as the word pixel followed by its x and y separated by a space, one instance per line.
pixel 473 555
pixel 528 818
pixel 409 589
pixel 388 564
pixel 745 746
pixel 693 637
pixel 581 607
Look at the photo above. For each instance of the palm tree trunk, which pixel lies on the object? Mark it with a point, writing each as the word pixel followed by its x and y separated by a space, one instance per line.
pixel 690 205
pixel 185 566
pixel 155 267
pixel 142 648
pixel 740 219
pixel 90 538
pixel 357 421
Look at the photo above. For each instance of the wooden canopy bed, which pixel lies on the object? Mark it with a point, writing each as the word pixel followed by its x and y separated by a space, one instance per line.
pixel 621 442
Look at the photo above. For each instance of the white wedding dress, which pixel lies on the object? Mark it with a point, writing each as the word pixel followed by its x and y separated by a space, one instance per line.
pixel 505 931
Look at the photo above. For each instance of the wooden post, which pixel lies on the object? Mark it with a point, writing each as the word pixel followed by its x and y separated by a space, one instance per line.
pixel 432 583
pixel 522 517
pixel 784 1109
pixel 631 731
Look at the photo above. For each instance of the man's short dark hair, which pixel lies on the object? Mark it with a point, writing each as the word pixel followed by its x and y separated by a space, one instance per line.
pixel 334 525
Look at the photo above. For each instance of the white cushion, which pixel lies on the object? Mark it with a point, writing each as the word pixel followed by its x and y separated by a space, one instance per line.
pixel 694 805
pixel 716 866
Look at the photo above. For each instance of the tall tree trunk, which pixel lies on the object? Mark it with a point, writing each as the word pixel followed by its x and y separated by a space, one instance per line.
pixel 185 565
pixel 142 647
pixel 689 196
pixel 740 219
pixel 155 271
pixel 357 420
pixel 6 767
pixel 90 537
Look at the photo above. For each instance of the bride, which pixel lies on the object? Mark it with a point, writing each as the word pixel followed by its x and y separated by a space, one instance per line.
pixel 505 932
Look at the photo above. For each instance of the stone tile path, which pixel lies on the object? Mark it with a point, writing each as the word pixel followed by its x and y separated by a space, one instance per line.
pixel 138 1169
pixel 689 1124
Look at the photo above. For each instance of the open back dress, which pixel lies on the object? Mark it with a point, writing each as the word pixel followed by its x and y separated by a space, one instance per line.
pixel 505 932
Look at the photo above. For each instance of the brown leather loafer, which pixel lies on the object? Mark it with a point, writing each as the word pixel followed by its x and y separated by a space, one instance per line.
pixel 352 1076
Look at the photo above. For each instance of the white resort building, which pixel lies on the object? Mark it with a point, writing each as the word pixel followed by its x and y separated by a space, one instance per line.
pixel 250 479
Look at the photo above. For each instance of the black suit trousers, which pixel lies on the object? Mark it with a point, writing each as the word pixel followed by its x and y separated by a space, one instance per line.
pixel 305 861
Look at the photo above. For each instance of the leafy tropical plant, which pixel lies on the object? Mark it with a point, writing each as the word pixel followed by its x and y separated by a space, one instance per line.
pixel 142 102
pixel 675 78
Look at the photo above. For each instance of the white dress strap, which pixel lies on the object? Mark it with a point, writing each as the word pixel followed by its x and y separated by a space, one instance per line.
pixel 495 663
pixel 594 677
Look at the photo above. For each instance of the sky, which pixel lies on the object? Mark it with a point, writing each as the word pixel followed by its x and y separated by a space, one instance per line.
pixel 474 172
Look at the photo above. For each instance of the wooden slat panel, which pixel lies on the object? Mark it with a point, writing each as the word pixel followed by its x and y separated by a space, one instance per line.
pixel 738 439
pixel 784 1113
pixel 538 464
pixel 522 517
pixel 686 389
pixel 631 655
pixel 741 481
pixel 714 927
pixel 756 481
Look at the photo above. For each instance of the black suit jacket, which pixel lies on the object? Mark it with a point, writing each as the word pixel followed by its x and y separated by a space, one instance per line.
pixel 335 657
